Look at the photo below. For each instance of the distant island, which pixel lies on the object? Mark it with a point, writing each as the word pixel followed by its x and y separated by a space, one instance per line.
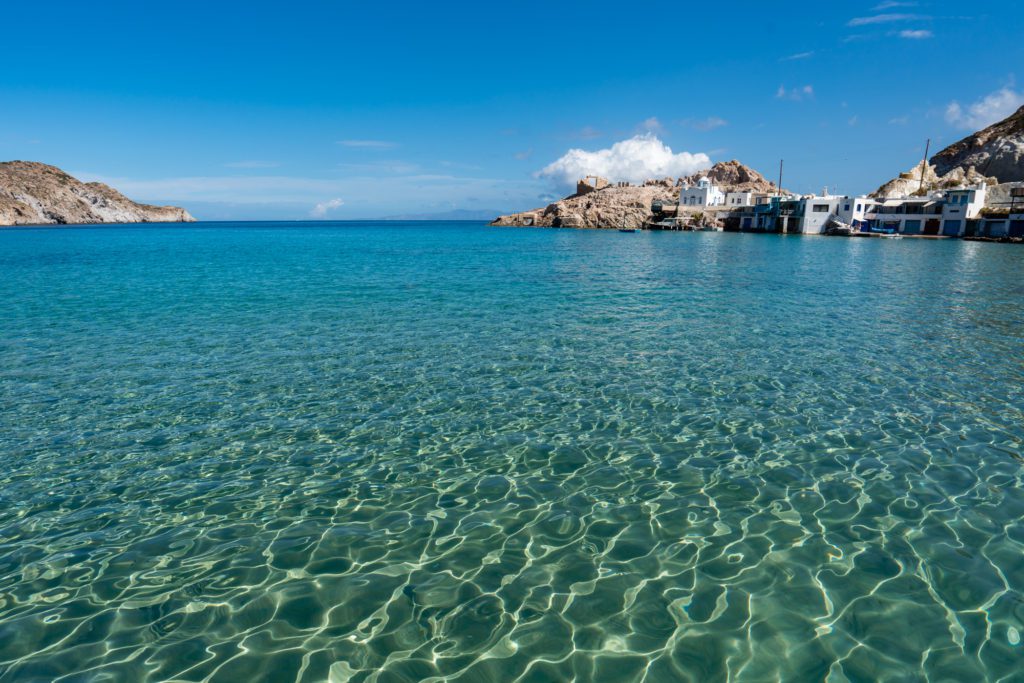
pixel 32 193
pixel 988 165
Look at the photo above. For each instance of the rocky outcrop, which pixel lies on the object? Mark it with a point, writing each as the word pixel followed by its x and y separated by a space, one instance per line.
pixel 909 184
pixel 732 176
pixel 32 193
pixel 993 155
pixel 997 151
pixel 610 207
pixel 616 206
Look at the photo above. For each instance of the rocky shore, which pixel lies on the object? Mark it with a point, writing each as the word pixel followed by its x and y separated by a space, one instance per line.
pixel 32 193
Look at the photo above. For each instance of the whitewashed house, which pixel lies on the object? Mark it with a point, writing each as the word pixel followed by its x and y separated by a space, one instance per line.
pixel 705 193
pixel 735 200
pixel 961 205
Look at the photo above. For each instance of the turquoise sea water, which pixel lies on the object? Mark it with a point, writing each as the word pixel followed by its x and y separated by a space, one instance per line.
pixel 405 452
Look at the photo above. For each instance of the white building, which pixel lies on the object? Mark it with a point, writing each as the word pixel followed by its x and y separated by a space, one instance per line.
pixel 907 215
pixel 961 206
pixel 814 213
pixel 705 193
pixel 735 200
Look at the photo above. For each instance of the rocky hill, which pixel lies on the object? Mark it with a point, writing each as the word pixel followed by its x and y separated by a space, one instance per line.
pixel 630 206
pixel 993 155
pixel 732 176
pixel 997 151
pixel 32 193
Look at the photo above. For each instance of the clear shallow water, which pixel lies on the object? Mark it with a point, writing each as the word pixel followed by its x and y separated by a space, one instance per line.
pixel 396 452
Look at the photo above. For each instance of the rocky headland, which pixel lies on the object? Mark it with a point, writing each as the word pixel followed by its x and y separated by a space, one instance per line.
pixel 32 193
pixel 606 205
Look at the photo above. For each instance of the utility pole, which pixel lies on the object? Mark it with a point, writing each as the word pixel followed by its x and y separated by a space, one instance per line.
pixel 924 164
pixel 778 188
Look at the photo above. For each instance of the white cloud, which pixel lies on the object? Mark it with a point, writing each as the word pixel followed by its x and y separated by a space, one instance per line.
pixel 652 125
pixel 634 160
pixel 795 94
pixel 892 4
pixel 321 209
pixel 899 121
pixel 853 120
pixel 993 107
pixel 589 133
pixel 252 164
pixel 372 144
pixel 798 55
pixel 882 19
pixel 710 123
pixel 919 34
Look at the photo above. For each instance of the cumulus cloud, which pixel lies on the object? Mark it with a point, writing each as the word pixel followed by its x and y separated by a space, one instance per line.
pixel 321 209
pixel 795 94
pixel 882 19
pixel 919 34
pixel 633 160
pixel 993 107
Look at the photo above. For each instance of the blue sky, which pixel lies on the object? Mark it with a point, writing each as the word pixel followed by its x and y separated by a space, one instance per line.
pixel 257 110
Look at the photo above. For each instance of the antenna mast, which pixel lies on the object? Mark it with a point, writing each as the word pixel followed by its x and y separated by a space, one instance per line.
pixel 924 164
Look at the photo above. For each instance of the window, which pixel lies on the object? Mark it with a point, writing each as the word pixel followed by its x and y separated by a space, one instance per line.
pixel 858 207
pixel 846 207
pixel 820 208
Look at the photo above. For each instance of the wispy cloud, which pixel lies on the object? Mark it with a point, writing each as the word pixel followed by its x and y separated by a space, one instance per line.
pixel 387 167
pixel 916 34
pixel 853 120
pixel 252 164
pixel 371 144
pixel 798 55
pixel 635 160
pixel 899 121
pixel 524 155
pixel 651 125
pixel 883 19
pixel 704 125
pixel 892 4
pixel 294 196
pixel 991 108
pixel 796 94
pixel 588 133
pixel 322 208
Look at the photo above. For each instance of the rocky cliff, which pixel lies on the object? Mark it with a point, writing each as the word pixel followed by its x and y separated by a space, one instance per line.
pixel 33 193
pixel 997 151
pixel 630 206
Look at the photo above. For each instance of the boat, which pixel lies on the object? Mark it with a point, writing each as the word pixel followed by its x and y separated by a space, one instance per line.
pixel 837 227
pixel 628 230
